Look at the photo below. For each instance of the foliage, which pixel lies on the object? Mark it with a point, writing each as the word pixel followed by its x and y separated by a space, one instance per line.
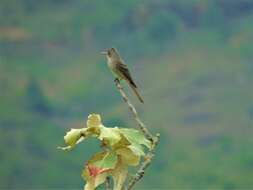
pixel 122 148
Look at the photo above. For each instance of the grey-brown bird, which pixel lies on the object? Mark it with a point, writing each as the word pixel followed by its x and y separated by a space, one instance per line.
pixel 120 70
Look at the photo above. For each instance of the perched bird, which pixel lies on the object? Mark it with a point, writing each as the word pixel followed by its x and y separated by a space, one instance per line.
pixel 120 70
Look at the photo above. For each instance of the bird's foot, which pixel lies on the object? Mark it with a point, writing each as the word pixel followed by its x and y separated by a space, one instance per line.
pixel 116 80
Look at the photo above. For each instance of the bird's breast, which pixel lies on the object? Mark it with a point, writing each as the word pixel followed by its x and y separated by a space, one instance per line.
pixel 112 65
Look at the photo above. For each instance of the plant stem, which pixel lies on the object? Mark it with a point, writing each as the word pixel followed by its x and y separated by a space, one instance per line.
pixel 147 161
pixel 148 158
pixel 107 183
pixel 141 125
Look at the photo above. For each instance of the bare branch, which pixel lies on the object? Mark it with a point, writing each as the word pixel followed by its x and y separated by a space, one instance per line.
pixel 107 183
pixel 141 125
pixel 147 161
pixel 148 158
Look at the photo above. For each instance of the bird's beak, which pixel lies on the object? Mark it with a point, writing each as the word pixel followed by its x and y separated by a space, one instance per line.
pixel 104 52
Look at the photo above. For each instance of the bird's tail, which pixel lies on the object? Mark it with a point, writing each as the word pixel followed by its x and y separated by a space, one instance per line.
pixel 134 88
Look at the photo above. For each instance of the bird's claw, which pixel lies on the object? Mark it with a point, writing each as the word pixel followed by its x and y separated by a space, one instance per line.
pixel 116 80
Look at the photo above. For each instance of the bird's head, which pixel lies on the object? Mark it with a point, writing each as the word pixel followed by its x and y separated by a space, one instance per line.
pixel 111 53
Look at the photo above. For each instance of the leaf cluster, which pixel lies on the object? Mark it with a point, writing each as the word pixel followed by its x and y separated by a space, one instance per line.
pixel 122 147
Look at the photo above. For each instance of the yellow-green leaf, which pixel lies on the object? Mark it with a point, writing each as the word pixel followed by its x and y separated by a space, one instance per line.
pixel 73 137
pixel 136 149
pixel 128 157
pixel 109 161
pixel 100 163
pixel 119 175
pixel 109 136
pixel 98 167
pixel 135 137
pixel 94 120
pixel 93 182
pixel 123 142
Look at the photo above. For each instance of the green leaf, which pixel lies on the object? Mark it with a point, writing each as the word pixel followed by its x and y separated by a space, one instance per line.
pixel 73 137
pixel 128 157
pixel 93 182
pixel 119 175
pixel 101 162
pixel 98 167
pixel 135 137
pixel 109 136
pixel 94 120
pixel 109 161
pixel 136 149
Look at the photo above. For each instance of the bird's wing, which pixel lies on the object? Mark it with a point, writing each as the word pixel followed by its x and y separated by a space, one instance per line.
pixel 124 70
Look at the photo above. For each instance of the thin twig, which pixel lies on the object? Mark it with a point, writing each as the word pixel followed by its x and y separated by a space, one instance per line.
pixel 147 161
pixel 107 183
pixel 141 125
pixel 148 158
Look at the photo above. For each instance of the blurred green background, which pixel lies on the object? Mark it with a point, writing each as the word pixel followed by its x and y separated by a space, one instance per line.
pixel 192 60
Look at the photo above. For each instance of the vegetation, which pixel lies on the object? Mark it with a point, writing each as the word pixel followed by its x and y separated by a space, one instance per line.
pixel 192 60
pixel 122 148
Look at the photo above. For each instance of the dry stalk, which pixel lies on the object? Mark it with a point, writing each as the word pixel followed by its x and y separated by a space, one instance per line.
pixel 148 158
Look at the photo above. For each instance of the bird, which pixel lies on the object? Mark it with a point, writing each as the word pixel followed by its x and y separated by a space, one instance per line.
pixel 120 70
